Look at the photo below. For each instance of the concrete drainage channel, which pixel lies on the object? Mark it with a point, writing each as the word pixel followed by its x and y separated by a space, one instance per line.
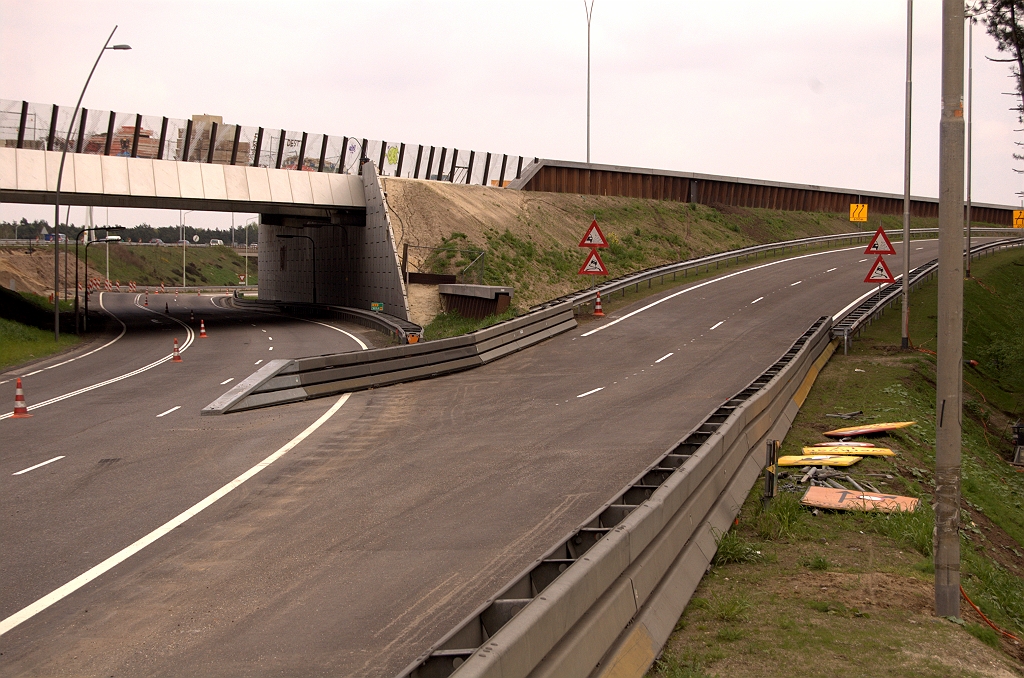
pixel 605 599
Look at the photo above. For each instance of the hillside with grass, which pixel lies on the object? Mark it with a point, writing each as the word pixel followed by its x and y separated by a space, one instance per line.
pixel 796 592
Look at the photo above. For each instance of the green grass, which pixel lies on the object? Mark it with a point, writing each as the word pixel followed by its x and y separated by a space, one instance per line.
pixel 21 343
pixel 47 305
pixel 452 324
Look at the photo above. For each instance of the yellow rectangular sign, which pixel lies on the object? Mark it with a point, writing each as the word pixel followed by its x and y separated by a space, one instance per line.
pixel 858 211
pixel 1018 218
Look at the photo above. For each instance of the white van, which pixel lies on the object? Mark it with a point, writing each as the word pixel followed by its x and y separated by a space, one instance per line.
pixel 216 241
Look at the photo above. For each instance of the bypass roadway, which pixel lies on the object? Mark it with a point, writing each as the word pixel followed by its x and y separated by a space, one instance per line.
pixel 372 533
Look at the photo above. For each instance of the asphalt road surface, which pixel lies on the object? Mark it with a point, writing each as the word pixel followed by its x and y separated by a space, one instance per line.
pixel 372 533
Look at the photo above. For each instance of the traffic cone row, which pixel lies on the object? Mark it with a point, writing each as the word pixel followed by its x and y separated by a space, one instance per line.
pixel 597 307
pixel 20 409
pixel 202 330
pixel 175 357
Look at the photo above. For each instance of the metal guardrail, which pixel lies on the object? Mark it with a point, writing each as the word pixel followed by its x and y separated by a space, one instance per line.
pixel 381 322
pixel 286 381
pixel 616 585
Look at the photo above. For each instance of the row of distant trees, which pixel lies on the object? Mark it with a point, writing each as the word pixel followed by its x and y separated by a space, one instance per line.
pixel 141 233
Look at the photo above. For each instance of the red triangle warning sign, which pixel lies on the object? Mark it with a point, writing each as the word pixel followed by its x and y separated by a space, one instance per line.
pixel 880 244
pixel 879 272
pixel 593 237
pixel 593 265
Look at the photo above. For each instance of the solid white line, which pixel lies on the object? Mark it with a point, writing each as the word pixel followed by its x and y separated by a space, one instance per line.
pixel 4 381
pixel 757 300
pixel 163 414
pixel 717 324
pixel 338 329
pixel 30 374
pixel 124 328
pixel 226 381
pixel 32 468
pixel 190 336
pixel 584 395
pixel 710 282
pixel 127 552
pixel 858 300
pixel 662 358
pixel 796 283
pixel 830 270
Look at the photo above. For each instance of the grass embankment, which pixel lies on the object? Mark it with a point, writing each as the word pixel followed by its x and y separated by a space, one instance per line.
pixel 794 593
pixel 21 343
pixel 452 324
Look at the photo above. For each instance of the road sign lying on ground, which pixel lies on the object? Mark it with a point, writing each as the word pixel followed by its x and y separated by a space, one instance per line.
pixel 594 237
pixel 1018 218
pixel 855 500
pixel 843 443
pixel 858 211
pixel 852 451
pixel 868 429
pixel 879 272
pixel 819 460
pixel 593 265
pixel 880 244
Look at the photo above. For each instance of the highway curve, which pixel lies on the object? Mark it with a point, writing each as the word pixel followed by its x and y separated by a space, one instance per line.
pixel 388 524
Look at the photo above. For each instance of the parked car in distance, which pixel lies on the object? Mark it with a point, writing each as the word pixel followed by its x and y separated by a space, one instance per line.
pixel 216 241
pixel 156 241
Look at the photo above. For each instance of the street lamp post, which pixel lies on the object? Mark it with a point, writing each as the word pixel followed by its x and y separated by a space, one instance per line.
pixel 590 13
pixel 78 237
pixel 905 340
pixel 311 242
pixel 970 117
pixel 60 175
pixel 109 238
pixel 181 220
pixel 246 257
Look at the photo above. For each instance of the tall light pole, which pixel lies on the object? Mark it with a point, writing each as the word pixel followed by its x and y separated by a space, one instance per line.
pixel 905 340
pixel 949 369
pixel 246 257
pixel 970 117
pixel 590 13
pixel 181 220
pixel 60 175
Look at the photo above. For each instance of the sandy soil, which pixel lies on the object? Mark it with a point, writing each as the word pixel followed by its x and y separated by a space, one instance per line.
pixel 32 271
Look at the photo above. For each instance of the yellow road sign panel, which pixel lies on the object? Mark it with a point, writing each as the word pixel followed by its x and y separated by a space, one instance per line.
pixel 818 460
pixel 858 211
pixel 1018 218
pixel 851 451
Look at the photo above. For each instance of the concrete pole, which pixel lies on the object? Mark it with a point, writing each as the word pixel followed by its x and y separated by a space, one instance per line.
pixel 970 118
pixel 590 13
pixel 905 341
pixel 949 377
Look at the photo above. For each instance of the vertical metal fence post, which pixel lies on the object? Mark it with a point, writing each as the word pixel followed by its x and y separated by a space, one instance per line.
pixel 469 169
pixel 256 156
pixel 383 150
pixel 53 129
pixel 323 155
pixel 440 164
pixel 234 144
pixel 501 177
pixel 163 140
pixel 401 159
pixel 110 133
pixel 81 131
pixel 455 161
pixel 487 168
pixel 21 125
pixel 344 151
pixel 212 143
pixel 135 135
pixel 419 157
pixel 280 149
pixel 430 163
pixel 188 141
pixel 302 152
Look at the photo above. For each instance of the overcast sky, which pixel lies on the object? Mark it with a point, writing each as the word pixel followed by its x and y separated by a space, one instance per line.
pixel 790 90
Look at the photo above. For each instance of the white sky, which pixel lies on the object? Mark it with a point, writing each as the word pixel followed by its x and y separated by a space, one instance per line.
pixel 790 90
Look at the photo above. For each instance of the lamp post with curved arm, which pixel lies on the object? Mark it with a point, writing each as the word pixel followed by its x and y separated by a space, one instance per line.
pixel 78 238
pixel 109 238
pixel 60 175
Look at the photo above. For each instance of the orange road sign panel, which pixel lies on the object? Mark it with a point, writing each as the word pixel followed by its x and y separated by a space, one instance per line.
pixel 819 460
pixel 858 211
pixel 880 244
pixel 879 272
pixel 836 443
pixel 855 500
pixel 1018 218
pixel 593 265
pixel 868 429
pixel 594 237
pixel 851 451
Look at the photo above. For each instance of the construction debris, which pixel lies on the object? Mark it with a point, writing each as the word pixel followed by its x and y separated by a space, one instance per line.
pixel 843 443
pixel 868 429
pixel 819 460
pixel 850 450
pixel 845 415
pixel 856 500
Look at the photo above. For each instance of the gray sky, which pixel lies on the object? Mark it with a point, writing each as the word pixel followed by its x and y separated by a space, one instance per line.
pixel 791 90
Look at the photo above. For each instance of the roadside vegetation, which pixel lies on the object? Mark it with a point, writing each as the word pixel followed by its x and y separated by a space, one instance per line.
pixel 796 592
pixel 452 324
pixel 22 343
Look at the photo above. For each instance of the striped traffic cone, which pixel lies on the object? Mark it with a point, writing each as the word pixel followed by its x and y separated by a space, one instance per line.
pixel 202 329
pixel 20 409
pixel 597 307
pixel 175 357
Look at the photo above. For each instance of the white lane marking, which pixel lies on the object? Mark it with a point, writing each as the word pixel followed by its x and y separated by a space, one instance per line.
pixel 190 337
pixel 710 282
pixel 214 302
pixel 830 270
pixel 30 374
pixel 862 261
pixel 663 357
pixel 584 395
pixel 261 330
pixel 717 324
pixel 127 552
pixel 270 338
pixel 164 414
pixel 796 283
pixel 33 468
pixel 858 300
pixel 258 361
pixel 920 248
pixel 271 348
pixel 124 328
pixel 351 336
pixel 227 381
pixel 757 300
pixel 4 381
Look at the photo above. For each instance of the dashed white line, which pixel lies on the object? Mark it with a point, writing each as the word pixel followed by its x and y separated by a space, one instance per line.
pixel 227 381
pixel 164 414
pixel 31 373
pixel 830 270
pixel 757 300
pixel 796 283
pixel 271 348
pixel 584 395
pixel 920 248
pixel 32 468
pixel 270 338
pixel 258 361
pixel 862 261
pixel 716 324
pixel 124 554
pixel 663 357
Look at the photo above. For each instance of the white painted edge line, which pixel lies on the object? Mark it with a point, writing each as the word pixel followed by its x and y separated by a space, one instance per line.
pixel 351 336
pixel 757 300
pixel 584 395
pixel 127 552
pixel 716 324
pixel 190 337
pixel 227 381
pixel 33 468
pixel 858 300
pixel 30 374
pixel 711 282
pixel 796 283
pixel 831 269
pixel 164 414
pixel 124 328
pixel 663 357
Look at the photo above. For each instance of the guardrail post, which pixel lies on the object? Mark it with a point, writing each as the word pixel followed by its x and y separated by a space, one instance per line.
pixel 771 472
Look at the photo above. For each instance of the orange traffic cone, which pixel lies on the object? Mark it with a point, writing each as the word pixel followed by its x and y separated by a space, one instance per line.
pixel 175 357
pixel 202 329
pixel 597 307
pixel 20 410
